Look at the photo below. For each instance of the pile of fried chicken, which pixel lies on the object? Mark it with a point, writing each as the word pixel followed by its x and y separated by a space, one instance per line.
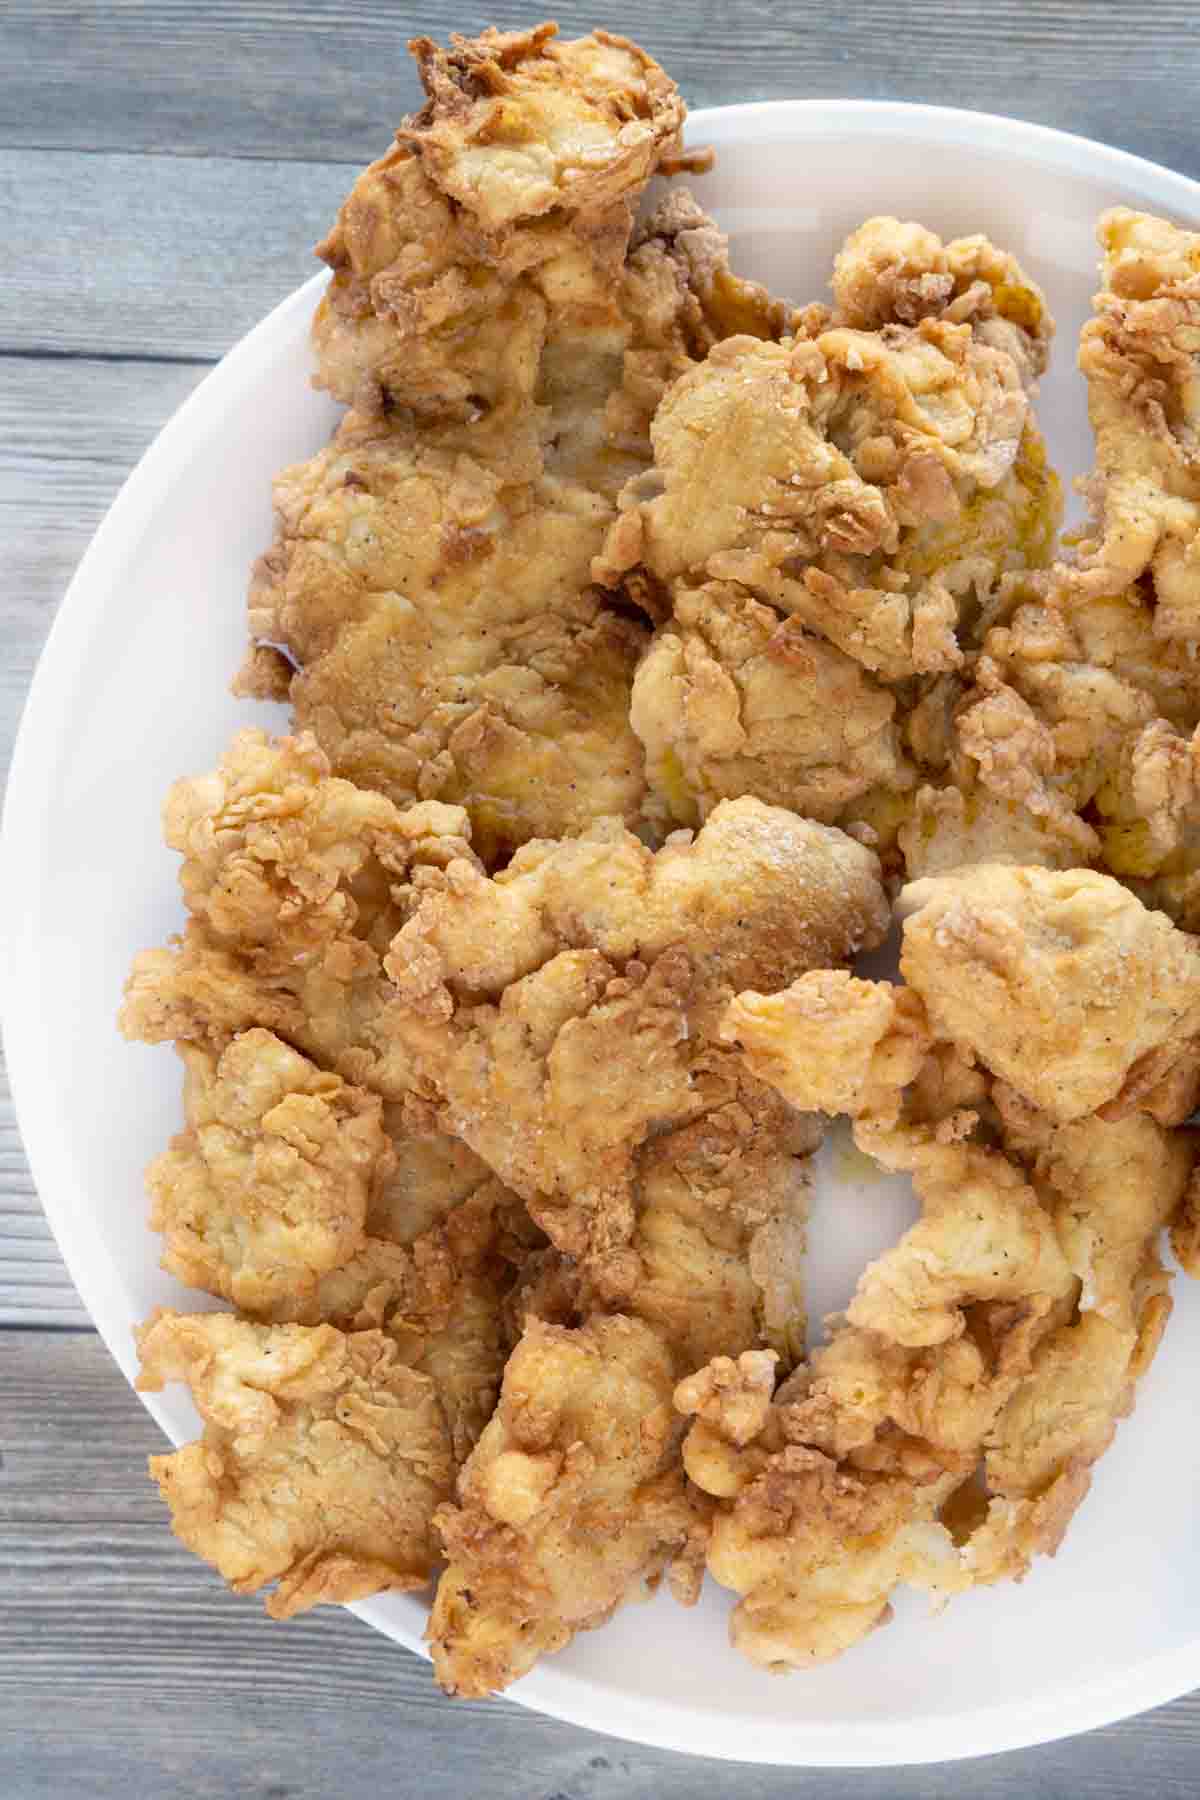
pixel 651 643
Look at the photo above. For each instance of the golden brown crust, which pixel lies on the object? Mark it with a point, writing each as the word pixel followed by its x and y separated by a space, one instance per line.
pixel 557 1012
pixel 296 883
pixel 321 1463
pixel 1140 358
pixel 945 1432
pixel 573 1495
pixel 267 1189
pixel 1064 984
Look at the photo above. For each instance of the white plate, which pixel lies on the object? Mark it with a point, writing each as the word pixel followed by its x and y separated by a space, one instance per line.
pixel 132 690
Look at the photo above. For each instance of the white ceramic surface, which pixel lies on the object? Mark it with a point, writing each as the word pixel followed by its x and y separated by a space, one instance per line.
pixel 132 690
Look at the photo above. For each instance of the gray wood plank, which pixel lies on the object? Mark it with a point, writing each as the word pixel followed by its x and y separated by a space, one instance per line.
pixel 35 1288
pixel 328 79
pixel 124 1668
pixel 161 255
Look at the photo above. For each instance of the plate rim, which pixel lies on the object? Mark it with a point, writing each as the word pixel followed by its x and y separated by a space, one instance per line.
pixel 552 1690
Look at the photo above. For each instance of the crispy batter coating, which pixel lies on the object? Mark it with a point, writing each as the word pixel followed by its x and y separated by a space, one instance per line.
pixel 321 1462
pixel 572 1497
pixel 507 199
pixel 1075 743
pixel 730 699
pixel 1110 1188
pixel 1185 1228
pixel 832 1043
pixel 860 482
pixel 267 1188
pixel 1141 356
pixel 518 124
pixel 1064 984
pixel 557 1012
pixel 755 889
pixel 451 643
pixel 832 1495
pixel 984 1361
pixel 427 1177
pixel 894 272
pixel 719 1229
pixel 718 1236
pixel 813 1548
pixel 678 299
pixel 827 519
pixel 958 827
pixel 982 1237
pixel 443 1300
pixel 296 883
pixel 1072 745
pixel 504 337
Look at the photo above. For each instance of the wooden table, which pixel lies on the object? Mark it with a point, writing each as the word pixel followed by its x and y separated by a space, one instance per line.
pixel 164 168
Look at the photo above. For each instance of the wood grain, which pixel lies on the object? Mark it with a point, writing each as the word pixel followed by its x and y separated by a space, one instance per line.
pixel 203 249
pixel 126 1669
pixel 35 1288
pixel 329 79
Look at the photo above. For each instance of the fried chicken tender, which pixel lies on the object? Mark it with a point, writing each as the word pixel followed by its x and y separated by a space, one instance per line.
pixel 292 1193
pixel 834 1044
pixel 504 337
pixel 451 645
pixel 283 1195
pixel 443 1300
pixel 1064 984
pixel 508 197
pixel 321 1462
pixel 720 1205
pixel 1077 743
pixel 1074 744
pixel 862 483
pixel 894 272
pixel 832 1495
pixel 481 266
pixel 852 496
pixel 557 1013
pixel 296 884
pixel 1141 356
pixel 730 699
pixel 1039 1463
pixel 1110 1189
pixel 813 1548
pixel 1005 1332
pixel 267 1188
pixel 572 1497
